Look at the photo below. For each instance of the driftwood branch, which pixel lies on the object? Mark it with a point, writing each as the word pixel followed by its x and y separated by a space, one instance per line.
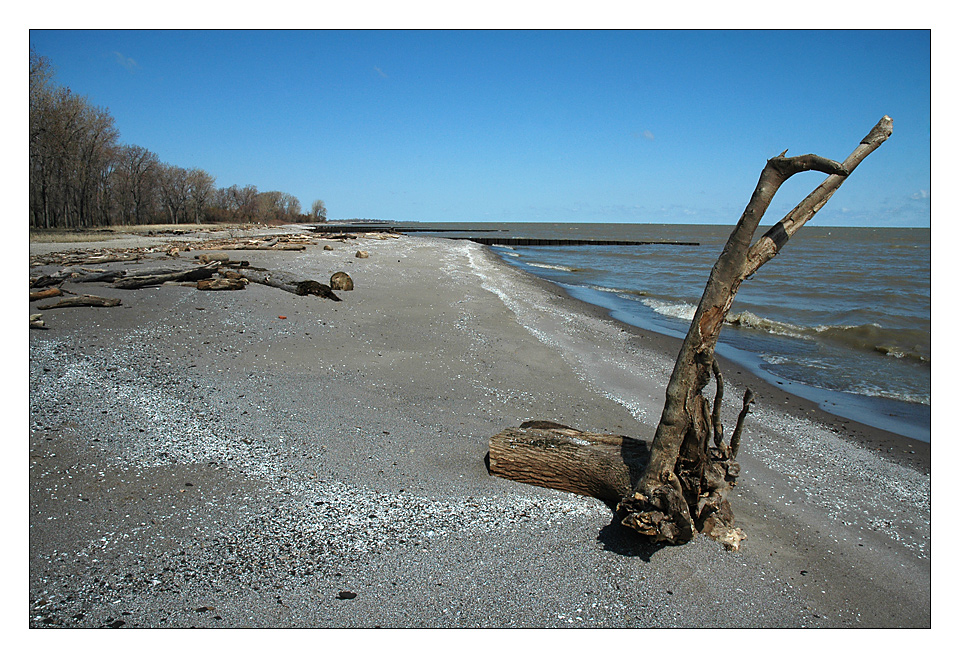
pixel 669 495
pixel 745 409
pixel 82 301
pixel 263 247
pixel 771 242
pixel 48 292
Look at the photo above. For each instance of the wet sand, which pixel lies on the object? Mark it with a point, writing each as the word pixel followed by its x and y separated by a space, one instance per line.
pixel 198 460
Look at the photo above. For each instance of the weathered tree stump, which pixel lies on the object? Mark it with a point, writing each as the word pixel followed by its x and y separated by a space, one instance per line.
pixel 683 487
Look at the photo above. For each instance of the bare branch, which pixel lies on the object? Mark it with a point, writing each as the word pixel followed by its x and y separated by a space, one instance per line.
pixel 771 242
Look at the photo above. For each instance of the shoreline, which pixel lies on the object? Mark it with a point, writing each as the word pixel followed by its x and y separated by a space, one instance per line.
pixel 909 451
pixel 892 416
pixel 241 459
pixel 902 417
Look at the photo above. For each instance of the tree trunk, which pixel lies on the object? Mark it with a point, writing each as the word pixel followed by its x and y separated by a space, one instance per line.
pixel 683 489
pixel 679 483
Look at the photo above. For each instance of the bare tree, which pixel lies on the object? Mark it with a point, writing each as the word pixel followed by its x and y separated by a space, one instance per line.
pixel 135 184
pixel 289 205
pixel 200 191
pixel 319 210
pixel 244 201
pixel 174 184
pixel 71 146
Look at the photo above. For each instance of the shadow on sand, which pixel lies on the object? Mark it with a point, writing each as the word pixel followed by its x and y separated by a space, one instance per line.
pixel 617 538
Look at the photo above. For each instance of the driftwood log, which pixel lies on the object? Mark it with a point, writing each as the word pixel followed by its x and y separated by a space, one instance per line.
pixel 156 279
pixel 275 244
pixel 82 301
pixel 558 457
pixel 48 292
pixel 286 281
pixel 78 275
pixel 684 484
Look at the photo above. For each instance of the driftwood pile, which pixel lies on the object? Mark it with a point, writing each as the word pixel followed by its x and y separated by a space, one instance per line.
pixel 105 255
pixel 213 271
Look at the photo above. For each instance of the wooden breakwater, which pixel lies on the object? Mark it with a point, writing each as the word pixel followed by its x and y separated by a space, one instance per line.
pixel 489 240
pixel 388 228
pixel 540 242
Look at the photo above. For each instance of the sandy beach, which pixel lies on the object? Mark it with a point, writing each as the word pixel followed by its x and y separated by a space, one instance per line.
pixel 254 458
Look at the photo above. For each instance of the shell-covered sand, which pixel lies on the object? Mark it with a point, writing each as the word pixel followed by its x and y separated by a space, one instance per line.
pixel 257 459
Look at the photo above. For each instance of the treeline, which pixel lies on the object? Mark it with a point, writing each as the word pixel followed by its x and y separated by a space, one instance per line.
pixel 82 176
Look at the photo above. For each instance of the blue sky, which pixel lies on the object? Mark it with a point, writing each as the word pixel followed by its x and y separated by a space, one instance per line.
pixel 570 126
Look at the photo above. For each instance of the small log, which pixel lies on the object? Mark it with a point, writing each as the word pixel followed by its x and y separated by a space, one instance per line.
pixel 49 292
pixel 286 281
pixel 222 257
pixel 36 322
pixel 83 301
pixel 341 281
pixel 223 284
pixel 558 457
pixel 111 258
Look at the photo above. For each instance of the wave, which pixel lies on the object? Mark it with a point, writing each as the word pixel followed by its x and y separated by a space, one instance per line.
pixel 900 344
pixel 877 392
pixel 912 345
pixel 748 319
pixel 563 268
pixel 817 368
pixel 679 310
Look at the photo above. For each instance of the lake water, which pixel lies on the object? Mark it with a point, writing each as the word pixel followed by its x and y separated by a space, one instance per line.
pixel 842 316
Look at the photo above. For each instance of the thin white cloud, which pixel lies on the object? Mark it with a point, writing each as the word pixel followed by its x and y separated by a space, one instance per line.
pixel 645 135
pixel 379 72
pixel 126 62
